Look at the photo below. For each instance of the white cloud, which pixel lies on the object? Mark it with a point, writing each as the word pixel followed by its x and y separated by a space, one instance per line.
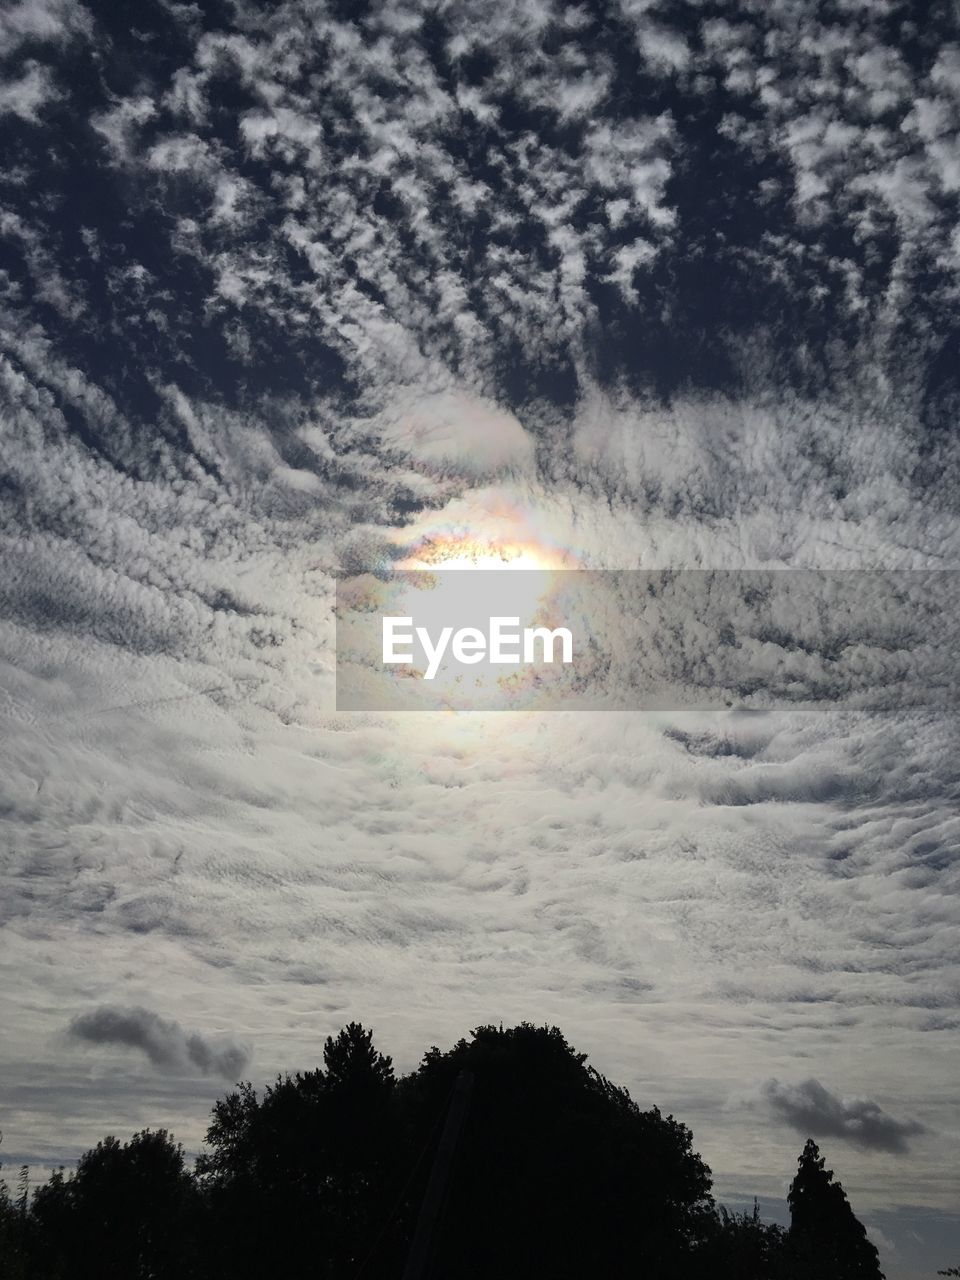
pixel 26 96
pixel 119 125
pixel 49 21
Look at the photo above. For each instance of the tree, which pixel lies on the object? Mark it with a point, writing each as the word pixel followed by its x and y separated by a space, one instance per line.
pixel 744 1246
pixel 303 1178
pixel 352 1063
pixel 13 1264
pixel 128 1212
pixel 547 1169
pixel 363 1139
pixel 826 1240
pixel 558 1172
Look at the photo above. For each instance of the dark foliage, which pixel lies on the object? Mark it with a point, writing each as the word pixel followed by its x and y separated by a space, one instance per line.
pixel 305 1175
pixel 541 1167
pixel 746 1247
pixel 129 1210
pixel 13 1237
pixel 570 1175
pixel 826 1239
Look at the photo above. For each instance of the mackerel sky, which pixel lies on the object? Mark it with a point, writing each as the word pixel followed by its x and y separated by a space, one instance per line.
pixel 295 290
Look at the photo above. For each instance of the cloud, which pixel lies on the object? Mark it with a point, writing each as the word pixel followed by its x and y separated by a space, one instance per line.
pixel 880 1239
pixel 813 1110
pixel 346 283
pixel 455 430
pixel 26 96
pixel 166 1044
pixel 47 21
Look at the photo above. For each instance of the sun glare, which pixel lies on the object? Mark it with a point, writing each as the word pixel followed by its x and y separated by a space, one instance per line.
pixel 471 553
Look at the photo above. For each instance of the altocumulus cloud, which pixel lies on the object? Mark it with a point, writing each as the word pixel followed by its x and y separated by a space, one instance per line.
pixel 166 1044
pixel 810 1108
pixel 291 290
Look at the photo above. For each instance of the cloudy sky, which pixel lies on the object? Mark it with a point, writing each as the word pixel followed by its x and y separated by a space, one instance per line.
pixel 296 290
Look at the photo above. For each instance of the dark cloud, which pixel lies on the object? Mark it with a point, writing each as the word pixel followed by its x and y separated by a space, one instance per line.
pixel 813 1110
pixel 167 1045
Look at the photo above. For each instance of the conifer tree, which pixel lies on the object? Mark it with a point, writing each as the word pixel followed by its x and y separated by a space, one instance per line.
pixel 825 1236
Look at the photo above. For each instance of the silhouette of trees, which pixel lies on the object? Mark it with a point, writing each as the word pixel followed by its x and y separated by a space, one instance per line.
pixel 742 1245
pixel 825 1237
pixel 550 1170
pixel 558 1172
pixel 13 1243
pixel 129 1210
pixel 305 1173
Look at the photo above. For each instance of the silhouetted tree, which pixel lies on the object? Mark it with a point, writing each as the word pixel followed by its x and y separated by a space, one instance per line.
pixel 12 1238
pixel 363 1140
pixel 303 1177
pixel 826 1240
pixel 127 1213
pixel 743 1246
pixel 558 1172
pixel 555 1172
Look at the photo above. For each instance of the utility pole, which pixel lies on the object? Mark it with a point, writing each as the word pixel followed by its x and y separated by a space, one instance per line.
pixel 416 1268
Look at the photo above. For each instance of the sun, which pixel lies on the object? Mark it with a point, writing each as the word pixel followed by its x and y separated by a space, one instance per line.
pixel 463 552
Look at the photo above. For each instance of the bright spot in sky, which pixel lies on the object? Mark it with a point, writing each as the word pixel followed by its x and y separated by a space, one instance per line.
pixel 471 553
pixel 450 579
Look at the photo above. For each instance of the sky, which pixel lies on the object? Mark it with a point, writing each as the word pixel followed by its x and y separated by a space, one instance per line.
pixel 295 291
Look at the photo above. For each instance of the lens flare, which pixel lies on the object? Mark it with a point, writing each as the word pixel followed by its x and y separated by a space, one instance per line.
pixel 486 529
pixel 435 561
pixel 474 553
